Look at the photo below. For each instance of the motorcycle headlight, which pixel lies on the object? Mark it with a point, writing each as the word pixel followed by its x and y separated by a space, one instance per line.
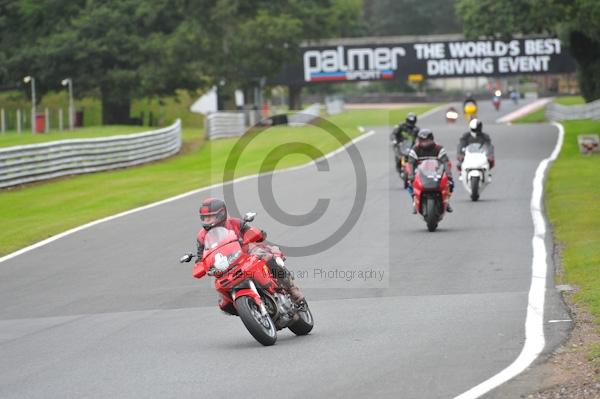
pixel 233 257
pixel 221 262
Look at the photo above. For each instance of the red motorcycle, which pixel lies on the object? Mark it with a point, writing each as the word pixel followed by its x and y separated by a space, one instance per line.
pixel 431 191
pixel 496 103
pixel 246 285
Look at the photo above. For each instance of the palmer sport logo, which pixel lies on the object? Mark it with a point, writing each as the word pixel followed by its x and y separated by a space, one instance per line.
pixel 351 64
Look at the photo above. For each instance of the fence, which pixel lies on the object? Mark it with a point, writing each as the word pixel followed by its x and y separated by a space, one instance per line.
pixel 557 112
pixel 30 163
pixel 334 105
pixel 224 124
pixel 233 124
pixel 305 116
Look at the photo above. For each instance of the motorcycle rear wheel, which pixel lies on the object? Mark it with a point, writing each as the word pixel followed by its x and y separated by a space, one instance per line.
pixel 305 323
pixel 261 327
pixel 475 188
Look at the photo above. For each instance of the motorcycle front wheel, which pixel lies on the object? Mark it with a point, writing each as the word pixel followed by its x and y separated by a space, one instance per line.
pixel 475 188
pixel 261 327
pixel 431 214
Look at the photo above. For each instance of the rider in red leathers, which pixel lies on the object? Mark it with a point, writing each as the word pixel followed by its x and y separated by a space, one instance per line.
pixel 427 148
pixel 213 213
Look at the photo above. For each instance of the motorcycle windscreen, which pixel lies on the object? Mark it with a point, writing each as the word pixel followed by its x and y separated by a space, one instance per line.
pixel 405 147
pixel 476 148
pixel 217 237
pixel 430 173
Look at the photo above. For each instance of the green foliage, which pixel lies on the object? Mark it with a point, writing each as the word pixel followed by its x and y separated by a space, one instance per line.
pixel 164 110
pixel 570 100
pixel 539 116
pixel 128 49
pixel 410 17
pixel 572 193
pixel 12 138
pixel 576 22
pixel 504 18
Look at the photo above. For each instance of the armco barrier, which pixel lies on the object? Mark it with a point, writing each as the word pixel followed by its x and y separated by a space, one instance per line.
pixel 35 162
pixel 557 112
pixel 304 117
pixel 224 124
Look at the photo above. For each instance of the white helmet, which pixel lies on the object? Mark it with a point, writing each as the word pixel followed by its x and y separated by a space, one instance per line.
pixel 475 125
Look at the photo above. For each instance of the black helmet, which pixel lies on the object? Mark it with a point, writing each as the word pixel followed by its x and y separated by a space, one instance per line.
pixel 213 212
pixel 475 125
pixel 425 138
pixel 411 119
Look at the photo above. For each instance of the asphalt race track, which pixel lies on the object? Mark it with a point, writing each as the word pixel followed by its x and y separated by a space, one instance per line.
pixel 109 312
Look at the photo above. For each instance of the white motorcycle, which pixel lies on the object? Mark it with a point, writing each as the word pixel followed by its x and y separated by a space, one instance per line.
pixel 475 173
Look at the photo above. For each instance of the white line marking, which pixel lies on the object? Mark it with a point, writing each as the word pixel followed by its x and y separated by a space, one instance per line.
pixel 534 322
pixel 559 321
pixel 527 109
pixel 180 196
pixel 433 110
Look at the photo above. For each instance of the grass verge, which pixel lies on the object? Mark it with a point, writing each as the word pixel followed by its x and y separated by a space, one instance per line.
pixel 539 116
pixel 13 138
pixel 38 211
pixel 573 206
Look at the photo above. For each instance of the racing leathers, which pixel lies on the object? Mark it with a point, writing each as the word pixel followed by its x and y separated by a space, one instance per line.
pixel 432 151
pixel 405 131
pixel 480 138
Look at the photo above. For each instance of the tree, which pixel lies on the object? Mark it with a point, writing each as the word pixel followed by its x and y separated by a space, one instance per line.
pixel 125 49
pixel 410 17
pixel 577 23
pixel 252 40
pixel 122 49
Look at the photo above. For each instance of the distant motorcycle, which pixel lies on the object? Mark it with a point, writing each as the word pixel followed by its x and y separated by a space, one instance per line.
pixel 246 286
pixel 496 103
pixel 401 151
pixel 470 110
pixel 431 191
pixel 475 170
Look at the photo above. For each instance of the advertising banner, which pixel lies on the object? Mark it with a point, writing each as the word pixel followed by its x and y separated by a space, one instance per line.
pixel 441 59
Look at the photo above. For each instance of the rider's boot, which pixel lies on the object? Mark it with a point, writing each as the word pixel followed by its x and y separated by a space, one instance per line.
pixel 286 280
pixel 295 294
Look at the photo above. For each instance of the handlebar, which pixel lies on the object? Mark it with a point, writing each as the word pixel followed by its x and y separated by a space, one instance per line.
pixel 186 258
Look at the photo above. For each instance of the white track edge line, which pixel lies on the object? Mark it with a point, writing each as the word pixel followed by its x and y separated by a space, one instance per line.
pixel 433 110
pixel 534 322
pixel 178 197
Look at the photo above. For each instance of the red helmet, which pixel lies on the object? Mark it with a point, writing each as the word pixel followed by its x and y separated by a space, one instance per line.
pixel 213 212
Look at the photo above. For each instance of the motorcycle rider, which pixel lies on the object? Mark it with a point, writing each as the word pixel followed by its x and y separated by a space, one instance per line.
pixel 406 130
pixel 213 213
pixel 469 99
pixel 475 135
pixel 470 107
pixel 427 148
